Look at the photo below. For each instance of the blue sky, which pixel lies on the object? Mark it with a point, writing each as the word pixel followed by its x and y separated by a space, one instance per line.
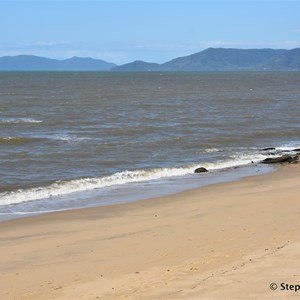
pixel 157 31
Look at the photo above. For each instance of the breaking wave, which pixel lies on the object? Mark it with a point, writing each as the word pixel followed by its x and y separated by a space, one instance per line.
pixel 62 188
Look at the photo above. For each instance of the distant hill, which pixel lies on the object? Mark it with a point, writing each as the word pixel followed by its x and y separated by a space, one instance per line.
pixel 220 59
pixel 211 59
pixel 137 66
pixel 36 63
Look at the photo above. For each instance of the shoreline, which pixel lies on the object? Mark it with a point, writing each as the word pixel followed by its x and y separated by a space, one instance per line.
pixel 151 189
pixel 203 242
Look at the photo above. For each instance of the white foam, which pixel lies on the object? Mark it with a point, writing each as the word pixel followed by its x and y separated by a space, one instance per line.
pixel 245 158
pixel 289 146
pixel 236 161
pixel 61 188
pixel 18 120
pixel 69 138
pixel 211 150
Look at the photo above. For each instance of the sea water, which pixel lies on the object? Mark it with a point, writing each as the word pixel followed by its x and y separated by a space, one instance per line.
pixel 78 139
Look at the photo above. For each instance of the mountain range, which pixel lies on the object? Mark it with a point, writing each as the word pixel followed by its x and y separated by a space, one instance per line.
pixel 220 59
pixel 36 63
pixel 211 59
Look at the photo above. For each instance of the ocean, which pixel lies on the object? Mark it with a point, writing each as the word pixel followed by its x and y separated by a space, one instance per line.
pixel 79 139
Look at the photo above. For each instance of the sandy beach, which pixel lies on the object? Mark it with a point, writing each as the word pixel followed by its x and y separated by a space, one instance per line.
pixel 225 241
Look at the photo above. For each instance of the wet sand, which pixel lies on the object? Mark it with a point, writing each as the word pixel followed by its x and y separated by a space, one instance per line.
pixel 225 241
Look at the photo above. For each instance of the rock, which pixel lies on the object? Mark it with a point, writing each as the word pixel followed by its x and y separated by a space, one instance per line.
pixel 296 150
pixel 281 159
pixel 268 149
pixel 295 159
pixel 200 170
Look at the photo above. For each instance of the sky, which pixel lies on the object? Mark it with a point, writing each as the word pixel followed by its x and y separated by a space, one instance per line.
pixel 154 31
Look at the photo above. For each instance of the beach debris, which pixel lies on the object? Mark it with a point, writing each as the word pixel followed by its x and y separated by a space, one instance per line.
pixel 281 159
pixel 200 170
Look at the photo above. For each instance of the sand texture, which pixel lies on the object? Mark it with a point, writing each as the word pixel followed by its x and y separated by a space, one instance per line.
pixel 226 241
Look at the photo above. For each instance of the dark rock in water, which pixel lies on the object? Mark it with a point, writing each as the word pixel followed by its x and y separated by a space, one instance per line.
pixel 268 149
pixel 281 159
pixel 201 170
pixel 296 150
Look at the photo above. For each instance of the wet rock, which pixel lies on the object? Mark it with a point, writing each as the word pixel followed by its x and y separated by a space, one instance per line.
pixel 200 170
pixel 296 150
pixel 295 159
pixel 268 149
pixel 281 159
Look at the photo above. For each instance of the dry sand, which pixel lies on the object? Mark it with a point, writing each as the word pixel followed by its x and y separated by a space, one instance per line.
pixel 227 241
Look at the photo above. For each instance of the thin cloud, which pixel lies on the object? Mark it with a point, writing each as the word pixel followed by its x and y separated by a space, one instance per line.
pixel 51 43
pixel 46 44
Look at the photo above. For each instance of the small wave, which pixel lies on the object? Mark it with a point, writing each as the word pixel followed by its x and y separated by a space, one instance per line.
pixel 18 120
pixel 17 140
pixel 12 140
pixel 240 157
pixel 68 138
pixel 61 188
pixel 236 160
pixel 288 146
pixel 212 150
pixel 245 157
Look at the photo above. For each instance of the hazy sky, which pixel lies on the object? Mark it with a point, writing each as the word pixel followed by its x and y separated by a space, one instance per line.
pixel 123 31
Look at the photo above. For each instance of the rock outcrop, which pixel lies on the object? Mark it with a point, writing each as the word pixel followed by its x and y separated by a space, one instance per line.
pixel 281 159
pixel 200 170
